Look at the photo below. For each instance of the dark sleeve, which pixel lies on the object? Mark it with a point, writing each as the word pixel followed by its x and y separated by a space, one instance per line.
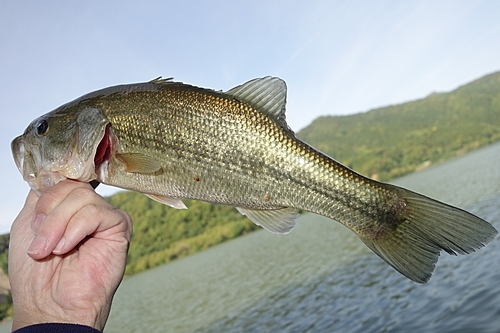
pixel 57 328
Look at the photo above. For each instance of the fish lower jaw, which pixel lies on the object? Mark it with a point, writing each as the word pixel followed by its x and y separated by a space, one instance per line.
pixel 45 180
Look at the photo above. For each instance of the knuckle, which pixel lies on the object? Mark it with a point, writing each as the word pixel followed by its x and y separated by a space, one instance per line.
pixel 125 215
pixel 91 211
pixel 47 201
pixel 84 193
pixel 128 219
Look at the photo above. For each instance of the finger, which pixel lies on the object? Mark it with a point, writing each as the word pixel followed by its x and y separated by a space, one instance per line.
pixel 52 197
pixel 60 206
pixel 101 221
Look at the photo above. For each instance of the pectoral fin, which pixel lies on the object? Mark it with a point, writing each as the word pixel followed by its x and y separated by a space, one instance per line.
pixel 139 163
pixel 172 202
pixel 277 221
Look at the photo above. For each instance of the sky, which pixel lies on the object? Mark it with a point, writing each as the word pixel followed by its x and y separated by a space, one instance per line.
pixel 337 57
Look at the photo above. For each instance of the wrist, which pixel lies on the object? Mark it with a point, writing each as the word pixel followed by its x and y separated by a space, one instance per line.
pixel 57 327
pixel 26 316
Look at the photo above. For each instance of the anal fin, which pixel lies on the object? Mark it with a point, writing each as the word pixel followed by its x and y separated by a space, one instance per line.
pixel 277 221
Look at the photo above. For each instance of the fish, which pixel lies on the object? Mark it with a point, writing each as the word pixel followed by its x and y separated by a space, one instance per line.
pixel 174 141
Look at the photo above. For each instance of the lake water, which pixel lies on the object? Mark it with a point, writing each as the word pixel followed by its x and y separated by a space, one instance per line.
pixel 321 278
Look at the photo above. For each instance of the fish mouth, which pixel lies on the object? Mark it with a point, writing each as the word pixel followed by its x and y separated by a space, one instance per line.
pixel 41 175
pixel 17 147
pixel 28 162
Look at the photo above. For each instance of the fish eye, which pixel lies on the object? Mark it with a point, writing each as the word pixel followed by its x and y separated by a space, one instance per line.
pixel 42 127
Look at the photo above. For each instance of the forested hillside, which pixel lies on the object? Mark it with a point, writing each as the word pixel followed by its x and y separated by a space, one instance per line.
pixel 391 141
pixel 162 234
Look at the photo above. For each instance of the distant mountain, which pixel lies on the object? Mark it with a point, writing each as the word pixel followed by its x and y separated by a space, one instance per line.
pixel 391 141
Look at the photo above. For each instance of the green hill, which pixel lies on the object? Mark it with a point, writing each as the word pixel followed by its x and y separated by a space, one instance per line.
pixel 385 143
pixel 398 139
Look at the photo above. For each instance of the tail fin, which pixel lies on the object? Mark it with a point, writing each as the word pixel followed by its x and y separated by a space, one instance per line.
pixel 425 227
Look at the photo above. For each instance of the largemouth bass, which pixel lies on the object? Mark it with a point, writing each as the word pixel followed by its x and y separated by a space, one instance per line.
pixel 174 141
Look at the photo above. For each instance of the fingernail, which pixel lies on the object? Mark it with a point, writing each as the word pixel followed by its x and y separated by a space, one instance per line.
pixel 37 245
pixel 37 222
pixel 59 246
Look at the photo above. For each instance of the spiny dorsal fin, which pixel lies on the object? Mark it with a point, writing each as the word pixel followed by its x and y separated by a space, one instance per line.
pixel 267 94
pixel 159 80
pixel 277 221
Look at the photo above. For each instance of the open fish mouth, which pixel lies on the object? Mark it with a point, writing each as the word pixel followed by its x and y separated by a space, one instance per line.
pixel 17 147
pixel 28 161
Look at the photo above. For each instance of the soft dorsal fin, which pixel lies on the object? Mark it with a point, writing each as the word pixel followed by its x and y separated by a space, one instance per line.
pixel 267 94
pixel 277 221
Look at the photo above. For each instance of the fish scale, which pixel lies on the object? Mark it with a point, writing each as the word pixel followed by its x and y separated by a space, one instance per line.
pixel 186 142
pixel 193 121
pixel 173 141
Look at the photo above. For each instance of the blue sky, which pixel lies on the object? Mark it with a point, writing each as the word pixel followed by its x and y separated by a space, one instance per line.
pixel 337 57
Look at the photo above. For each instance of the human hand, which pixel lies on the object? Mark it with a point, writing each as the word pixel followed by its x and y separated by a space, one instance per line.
pixel 69 271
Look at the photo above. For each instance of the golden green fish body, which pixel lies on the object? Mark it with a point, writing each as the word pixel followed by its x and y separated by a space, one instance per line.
pixel 173 141
pixel 224 151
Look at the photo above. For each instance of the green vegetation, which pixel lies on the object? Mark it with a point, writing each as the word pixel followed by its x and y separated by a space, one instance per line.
pixel 162 234
pixel 4 251
pixel 6 309
pixel 385 143
pixel 399 139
